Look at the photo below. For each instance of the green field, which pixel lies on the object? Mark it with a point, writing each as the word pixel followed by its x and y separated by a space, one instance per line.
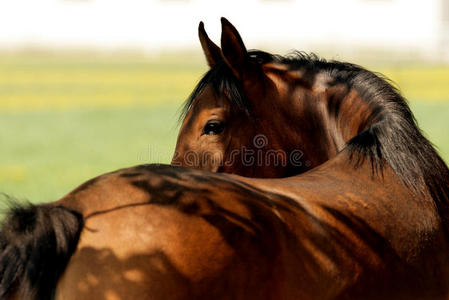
pixel 67 118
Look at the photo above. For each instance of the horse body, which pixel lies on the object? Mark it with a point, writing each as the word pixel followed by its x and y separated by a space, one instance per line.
pixel 364 215
pixel 242 238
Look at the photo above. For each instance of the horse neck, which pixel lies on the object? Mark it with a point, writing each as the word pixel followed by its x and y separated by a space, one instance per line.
pixel 375 127
pixel 320 122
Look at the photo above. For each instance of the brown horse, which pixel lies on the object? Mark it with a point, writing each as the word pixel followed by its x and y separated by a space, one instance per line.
pixel 369 222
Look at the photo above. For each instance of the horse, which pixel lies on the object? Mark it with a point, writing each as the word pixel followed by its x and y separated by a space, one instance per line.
pixel 361 215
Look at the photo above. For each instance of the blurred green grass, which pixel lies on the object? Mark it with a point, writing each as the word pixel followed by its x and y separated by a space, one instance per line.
pixel 45 154
pixel 67 118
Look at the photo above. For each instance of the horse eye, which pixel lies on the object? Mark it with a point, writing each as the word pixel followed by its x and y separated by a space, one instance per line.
pixel 213 128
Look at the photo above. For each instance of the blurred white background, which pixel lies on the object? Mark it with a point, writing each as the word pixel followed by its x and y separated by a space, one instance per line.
pixel 409 27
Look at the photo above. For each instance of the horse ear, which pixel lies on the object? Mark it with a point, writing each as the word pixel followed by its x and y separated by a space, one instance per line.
pixel 211 51
pixel 234 51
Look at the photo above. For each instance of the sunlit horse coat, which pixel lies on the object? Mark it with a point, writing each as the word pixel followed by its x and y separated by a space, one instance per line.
pixel 369 221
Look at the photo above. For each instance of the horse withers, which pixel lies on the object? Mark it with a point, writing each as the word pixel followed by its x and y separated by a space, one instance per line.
pixel 362 214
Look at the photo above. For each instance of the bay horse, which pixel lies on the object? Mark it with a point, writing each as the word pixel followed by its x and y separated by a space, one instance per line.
pixel 365 218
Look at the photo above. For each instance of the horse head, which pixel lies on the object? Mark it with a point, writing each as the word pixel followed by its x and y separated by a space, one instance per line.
pixel 261 115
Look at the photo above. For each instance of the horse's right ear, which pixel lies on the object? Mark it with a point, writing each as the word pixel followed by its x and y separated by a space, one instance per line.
pixel 234 51
pixel 211 51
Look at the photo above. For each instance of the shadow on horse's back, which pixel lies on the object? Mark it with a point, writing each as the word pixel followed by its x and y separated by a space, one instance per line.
pixel 164 232
pixel 363 217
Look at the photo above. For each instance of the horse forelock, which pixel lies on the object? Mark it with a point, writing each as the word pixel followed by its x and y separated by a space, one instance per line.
pixel 224 84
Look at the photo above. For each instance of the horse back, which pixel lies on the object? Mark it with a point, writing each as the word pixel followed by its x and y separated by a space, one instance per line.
pixel 169 233
pixel 174 233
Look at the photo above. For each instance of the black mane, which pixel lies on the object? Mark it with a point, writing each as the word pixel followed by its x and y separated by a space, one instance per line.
pixel 393 138
pixel 223 81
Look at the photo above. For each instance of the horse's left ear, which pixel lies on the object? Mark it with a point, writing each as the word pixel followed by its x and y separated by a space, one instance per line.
pixel 234 51
pixel 211 51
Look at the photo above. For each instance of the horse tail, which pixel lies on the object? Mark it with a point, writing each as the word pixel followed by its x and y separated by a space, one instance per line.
pixel 36 243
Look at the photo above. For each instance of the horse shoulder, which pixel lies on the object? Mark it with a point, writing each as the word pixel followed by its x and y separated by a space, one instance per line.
pixel 142 239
